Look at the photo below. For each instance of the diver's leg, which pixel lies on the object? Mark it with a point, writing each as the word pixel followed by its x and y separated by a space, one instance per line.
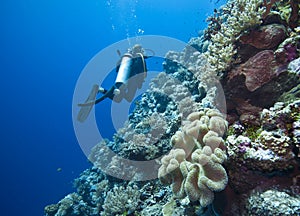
pixel 131 90
pixel 119 93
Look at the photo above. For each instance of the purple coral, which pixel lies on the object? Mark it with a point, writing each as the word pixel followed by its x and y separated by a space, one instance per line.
pixel 243 146
pixel 291 52
pixel 238 128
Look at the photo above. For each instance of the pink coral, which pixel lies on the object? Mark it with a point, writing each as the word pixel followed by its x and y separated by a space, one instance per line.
pixel 258 70
pixel 265 37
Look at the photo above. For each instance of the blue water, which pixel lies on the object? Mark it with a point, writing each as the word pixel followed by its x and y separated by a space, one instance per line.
pixel 45 44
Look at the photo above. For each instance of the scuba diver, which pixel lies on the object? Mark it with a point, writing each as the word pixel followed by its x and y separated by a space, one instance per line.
pixel 131 73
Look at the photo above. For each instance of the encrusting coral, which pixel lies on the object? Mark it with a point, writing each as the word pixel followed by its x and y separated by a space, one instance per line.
pixel 274 202
pixel 194 167
pixel 263 151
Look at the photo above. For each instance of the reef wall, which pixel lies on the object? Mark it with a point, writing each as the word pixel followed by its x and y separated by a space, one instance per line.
pixel 243 159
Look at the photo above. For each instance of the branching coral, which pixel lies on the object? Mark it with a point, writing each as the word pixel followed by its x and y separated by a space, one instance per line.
pixel 288 10
pixel 241 15
pixel 121 200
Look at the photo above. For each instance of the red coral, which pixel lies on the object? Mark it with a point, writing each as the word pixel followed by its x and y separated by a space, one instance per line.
pixel 258 70
pixel 266 37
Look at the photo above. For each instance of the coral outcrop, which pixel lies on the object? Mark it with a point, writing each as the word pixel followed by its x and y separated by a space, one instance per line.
pixel 121 200
pixel 268 72
pixel 266 156
pixel 265 37
pixel 274 202
pixel 194 167
pixel 239 15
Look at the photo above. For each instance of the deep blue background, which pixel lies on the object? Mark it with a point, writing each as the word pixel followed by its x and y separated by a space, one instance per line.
pixel 44 45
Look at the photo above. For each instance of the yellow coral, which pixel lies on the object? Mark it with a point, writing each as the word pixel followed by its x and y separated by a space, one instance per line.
pixel 243 15
pixel 197 179
pixel 195 168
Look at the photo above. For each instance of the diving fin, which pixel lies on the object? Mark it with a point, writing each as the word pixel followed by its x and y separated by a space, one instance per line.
pixel 85 110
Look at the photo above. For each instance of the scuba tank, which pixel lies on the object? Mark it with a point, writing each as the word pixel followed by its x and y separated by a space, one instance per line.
pixel 124 70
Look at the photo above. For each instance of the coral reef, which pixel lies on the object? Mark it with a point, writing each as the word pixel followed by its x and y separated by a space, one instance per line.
pixel 248 86
pixel 268 147
pixel 248 164
pixel 91 188
pixel 257 56
pixel 265 157
pixel 190 61
pixel 247 14
pixel 72 204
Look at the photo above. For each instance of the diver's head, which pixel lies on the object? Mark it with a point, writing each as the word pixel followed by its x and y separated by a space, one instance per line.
pixel 137 48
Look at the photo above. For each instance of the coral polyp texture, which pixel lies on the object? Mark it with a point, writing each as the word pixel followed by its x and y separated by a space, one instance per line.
pixel 221 123
pixel 194 167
